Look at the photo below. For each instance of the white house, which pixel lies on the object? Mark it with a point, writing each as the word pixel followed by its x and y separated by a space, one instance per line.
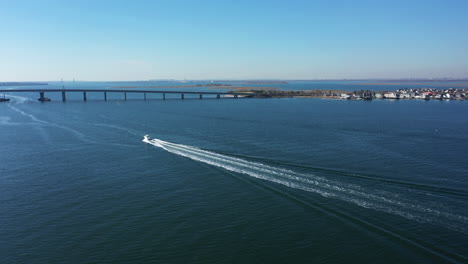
pixel 392 95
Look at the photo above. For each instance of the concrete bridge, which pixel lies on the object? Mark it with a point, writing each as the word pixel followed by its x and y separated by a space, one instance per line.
pixel 85 92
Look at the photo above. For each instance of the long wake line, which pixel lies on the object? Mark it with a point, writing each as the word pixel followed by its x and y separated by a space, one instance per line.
pixel 36 120
pixel 368 198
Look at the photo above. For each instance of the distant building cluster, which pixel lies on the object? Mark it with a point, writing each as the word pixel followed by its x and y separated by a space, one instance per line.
pixel 412 93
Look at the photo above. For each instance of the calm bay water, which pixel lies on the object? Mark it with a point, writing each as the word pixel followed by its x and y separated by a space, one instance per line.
pixel 233 181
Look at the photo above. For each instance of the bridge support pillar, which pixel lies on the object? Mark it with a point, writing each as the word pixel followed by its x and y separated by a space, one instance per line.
pixel 144 94
pixel 164 96
pixel 218 96
pixel 125 95
pixel 201 96
pixel 84 96
pixel 105 96
pixel 182 96
pixel 64 97
pixel 235 96
pixel 41 96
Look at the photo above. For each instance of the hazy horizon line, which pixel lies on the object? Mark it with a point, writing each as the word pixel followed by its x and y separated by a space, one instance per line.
pixel 252 79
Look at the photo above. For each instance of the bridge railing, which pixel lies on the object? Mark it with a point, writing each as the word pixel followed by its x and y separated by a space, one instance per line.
pixel 85 92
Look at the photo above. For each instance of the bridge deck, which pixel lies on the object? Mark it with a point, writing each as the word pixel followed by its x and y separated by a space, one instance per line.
pixel 42 92
pixel 119 91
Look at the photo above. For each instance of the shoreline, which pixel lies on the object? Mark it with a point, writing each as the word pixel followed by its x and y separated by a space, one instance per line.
pixel 404 94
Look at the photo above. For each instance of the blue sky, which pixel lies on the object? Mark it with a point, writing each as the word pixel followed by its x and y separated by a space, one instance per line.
pixel 174 39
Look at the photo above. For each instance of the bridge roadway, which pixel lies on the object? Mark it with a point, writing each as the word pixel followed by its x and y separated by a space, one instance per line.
pixel 105 91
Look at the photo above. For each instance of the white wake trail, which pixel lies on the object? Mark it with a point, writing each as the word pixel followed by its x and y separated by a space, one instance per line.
pixel 28 115
pixel 353 193
pixel 78 134
pixel 18 99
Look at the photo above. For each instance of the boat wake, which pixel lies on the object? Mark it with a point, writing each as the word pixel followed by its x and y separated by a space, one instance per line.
pixel 18 99
pixel 371 198
pixel 38 121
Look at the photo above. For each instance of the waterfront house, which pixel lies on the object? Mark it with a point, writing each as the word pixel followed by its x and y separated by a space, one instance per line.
pixel 392 95
pixel 405 96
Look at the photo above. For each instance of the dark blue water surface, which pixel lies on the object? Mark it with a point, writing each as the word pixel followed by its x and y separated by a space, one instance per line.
pixel 233 181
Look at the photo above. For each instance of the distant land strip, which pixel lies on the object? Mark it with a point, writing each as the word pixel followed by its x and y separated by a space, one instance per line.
pixel 21 83
pixel 247 89
pixel 211 86
pixel 417 83
pixel 177 86
pixel 265 82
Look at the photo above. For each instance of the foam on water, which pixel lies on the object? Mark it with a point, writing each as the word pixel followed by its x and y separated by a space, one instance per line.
pixel 6 121
pixel 374 198
pixel 38 121
pixel 18 99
